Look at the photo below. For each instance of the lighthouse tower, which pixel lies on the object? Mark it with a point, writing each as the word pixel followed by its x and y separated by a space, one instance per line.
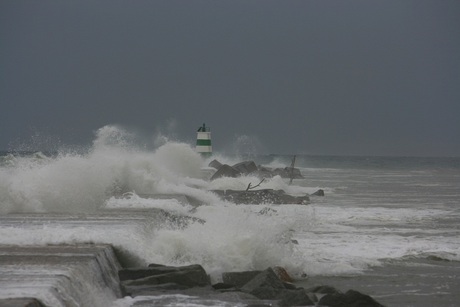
pixel 203 141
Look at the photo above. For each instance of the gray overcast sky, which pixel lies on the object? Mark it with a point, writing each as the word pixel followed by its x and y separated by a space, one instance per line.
pixel 316 77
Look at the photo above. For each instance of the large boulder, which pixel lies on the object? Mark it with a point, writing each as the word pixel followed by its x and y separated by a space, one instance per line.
pixel 246 167
pixel 319 192
pixel 268 286
pixel 20 302
pixel 226 171
pixel 265 285
pixel 297 297
pixel 351 298
pixel 215 164
pixel 239 279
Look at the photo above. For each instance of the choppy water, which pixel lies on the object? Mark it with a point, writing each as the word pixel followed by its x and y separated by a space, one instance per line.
pixel 388 227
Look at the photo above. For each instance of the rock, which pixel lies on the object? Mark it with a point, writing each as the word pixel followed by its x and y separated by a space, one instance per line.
pixel 215 164
pixel 290 286
pixel 250 167
pixel 296 297
pixel 190 276
pixel 265 285
pixel 20 302
pixel 323 290
pixel 142 290
pixel 351 298
pixel 226 171
pixel 270 287
pixel 246 167
pixel 223 286
pixel 282 274
pixel 239 279
pixel 320 192
pixel 264 196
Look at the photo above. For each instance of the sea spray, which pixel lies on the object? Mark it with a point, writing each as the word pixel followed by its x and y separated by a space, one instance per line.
pixel 75 182
pixel 75 197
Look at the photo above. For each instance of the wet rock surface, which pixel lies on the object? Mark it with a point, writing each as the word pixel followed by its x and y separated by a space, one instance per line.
pixel 253 288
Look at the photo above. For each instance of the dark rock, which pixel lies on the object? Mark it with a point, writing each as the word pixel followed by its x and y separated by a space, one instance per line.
pixel 320 192
pixel 155 265
pixel 246 167
pixel 265 285
pixel 215 164
pixel 239 298
pixel 226 171
pixel 268 286
pixel 252 288
pixel 313 297
pixel 323 290
pixel 296 297
pixel 250 167
pixel 290 286
pixel 282 274
pixel 264 196
pixel 139 290
pixel 20 302
pixel 239 279
pixel 191 276
pixel 223 286
pixel 351 298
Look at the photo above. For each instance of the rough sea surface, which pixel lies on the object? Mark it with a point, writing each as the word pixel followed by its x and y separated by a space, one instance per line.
pixel 387 226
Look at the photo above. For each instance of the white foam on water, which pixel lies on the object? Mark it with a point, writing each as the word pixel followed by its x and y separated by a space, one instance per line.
pixel 351 240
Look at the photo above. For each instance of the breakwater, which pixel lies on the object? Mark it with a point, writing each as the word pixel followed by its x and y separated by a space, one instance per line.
pixel 91 275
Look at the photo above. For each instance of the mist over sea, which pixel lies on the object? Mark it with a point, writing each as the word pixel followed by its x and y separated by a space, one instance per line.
pixel 387 226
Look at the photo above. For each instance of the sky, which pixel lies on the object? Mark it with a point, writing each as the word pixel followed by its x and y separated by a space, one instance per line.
pixel 292 77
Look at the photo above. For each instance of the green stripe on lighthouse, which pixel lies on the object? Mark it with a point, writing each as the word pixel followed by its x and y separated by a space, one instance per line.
pixel 203 142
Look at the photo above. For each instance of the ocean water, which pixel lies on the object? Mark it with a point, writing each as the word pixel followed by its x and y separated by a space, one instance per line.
pixel 387 226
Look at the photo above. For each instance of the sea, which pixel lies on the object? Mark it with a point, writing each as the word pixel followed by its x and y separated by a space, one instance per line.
pixel 388 227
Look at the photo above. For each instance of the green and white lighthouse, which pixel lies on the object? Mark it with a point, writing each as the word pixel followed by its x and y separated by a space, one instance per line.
pixel 203 141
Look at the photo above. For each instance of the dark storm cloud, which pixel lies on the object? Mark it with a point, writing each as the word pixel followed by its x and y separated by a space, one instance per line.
pixel 330 77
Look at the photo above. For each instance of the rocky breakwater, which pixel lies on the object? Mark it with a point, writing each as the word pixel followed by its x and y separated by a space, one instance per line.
pixel 250 168
pixel 259 196
pixel 159 284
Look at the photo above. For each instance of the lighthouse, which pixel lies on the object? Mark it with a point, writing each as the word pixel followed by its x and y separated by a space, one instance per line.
pixel 203 141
